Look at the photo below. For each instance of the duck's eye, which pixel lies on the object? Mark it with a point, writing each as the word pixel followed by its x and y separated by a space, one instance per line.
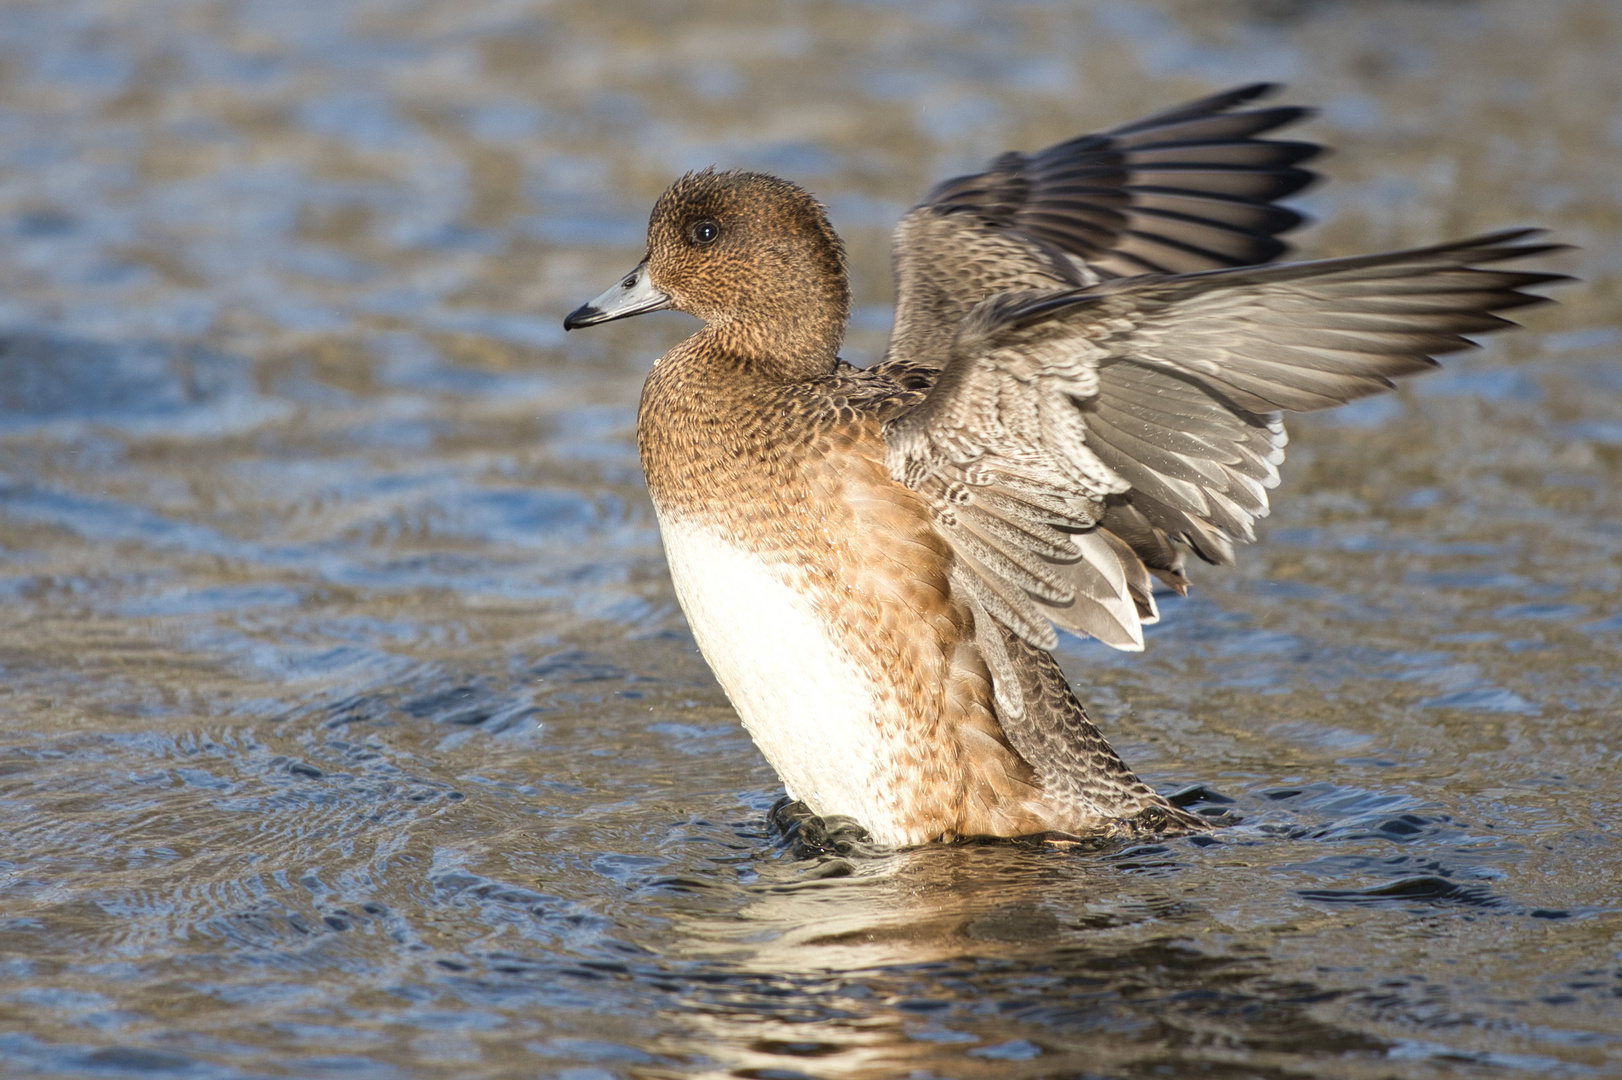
pixel 705 232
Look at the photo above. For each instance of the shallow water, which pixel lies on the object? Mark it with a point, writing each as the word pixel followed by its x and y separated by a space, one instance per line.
pixel 351 728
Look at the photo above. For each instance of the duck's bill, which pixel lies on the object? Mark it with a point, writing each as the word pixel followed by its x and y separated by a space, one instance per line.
pixel 633 295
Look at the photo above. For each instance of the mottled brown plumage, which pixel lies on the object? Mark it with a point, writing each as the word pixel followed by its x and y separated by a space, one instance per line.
pixel 873 561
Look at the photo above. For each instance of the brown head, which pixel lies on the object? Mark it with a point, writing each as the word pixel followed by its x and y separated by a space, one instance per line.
pixel 750 254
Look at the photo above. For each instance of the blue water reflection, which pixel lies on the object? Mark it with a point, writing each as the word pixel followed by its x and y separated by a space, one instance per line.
pixel 352 728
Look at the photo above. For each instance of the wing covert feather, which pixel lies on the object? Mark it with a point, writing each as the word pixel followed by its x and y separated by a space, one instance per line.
pixel 1076 438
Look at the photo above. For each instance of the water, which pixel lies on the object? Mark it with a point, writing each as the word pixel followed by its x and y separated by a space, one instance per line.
pixel 351 728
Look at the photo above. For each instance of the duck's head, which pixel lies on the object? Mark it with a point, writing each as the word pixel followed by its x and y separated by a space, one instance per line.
pixel 746 250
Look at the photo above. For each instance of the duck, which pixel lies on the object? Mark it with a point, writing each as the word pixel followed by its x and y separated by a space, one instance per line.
pixel 1092 350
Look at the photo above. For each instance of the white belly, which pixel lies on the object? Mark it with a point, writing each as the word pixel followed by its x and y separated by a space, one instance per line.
pixel 812 711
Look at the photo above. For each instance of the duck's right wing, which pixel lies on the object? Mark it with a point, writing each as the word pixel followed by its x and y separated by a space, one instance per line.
pixel 1188 189
pixel 1065 418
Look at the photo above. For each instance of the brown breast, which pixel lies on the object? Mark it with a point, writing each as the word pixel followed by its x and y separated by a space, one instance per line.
pixel 796 473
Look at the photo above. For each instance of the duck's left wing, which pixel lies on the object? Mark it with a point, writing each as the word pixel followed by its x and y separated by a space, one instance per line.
pixel 1075 433
pixel 1191 188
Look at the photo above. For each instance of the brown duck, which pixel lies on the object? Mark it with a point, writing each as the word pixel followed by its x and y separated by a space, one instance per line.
pixel 1084 383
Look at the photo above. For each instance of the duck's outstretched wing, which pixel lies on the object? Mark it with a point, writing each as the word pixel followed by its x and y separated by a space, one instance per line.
pixel 1184 190
pixel 1074 434
pixel 1191 188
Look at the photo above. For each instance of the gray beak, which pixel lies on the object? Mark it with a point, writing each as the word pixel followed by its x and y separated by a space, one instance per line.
pixel 634 295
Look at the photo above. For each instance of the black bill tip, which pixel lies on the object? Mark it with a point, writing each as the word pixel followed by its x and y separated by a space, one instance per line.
pixel 584 315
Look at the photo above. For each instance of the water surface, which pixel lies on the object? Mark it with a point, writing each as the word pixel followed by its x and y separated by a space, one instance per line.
pixel 350 724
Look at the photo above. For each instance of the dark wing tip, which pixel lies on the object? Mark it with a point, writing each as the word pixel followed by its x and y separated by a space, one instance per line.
pixel 1220 101
pixel 1509 241
pixel 1190 188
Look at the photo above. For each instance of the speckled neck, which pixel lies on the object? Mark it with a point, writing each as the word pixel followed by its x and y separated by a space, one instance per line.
pixel 722 426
